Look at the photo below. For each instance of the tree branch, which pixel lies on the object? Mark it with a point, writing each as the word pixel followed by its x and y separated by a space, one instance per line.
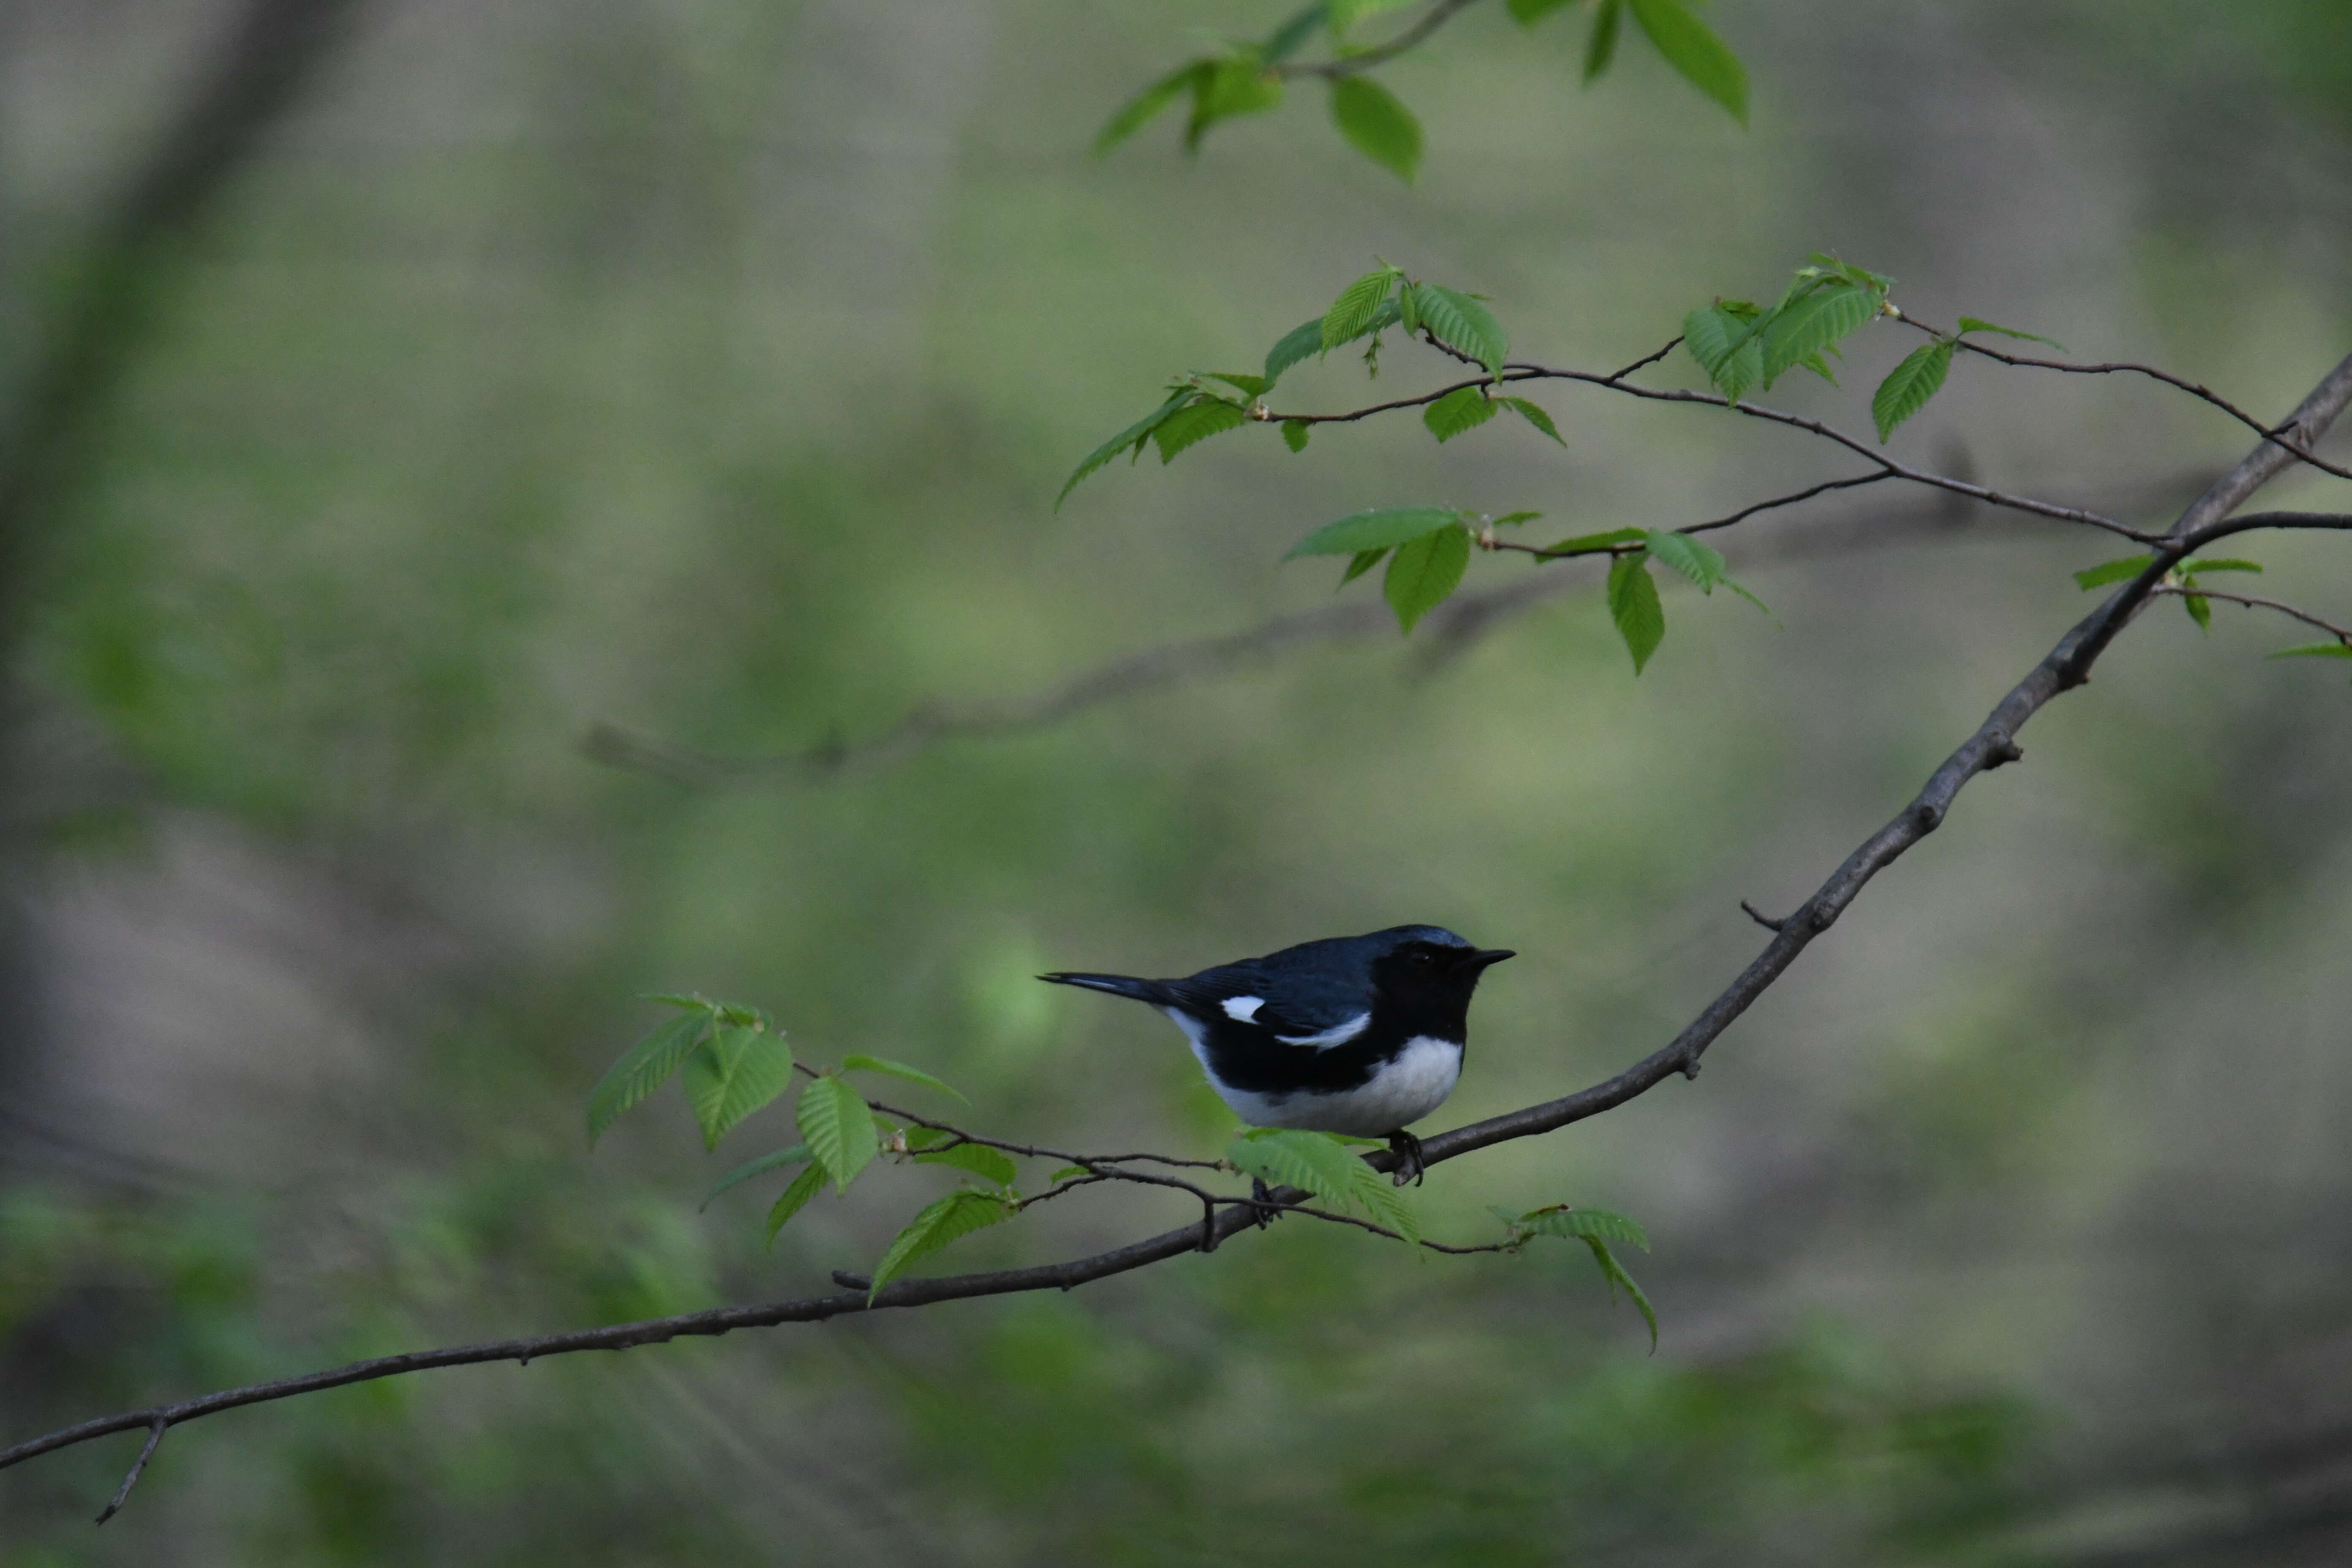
pixel 1443 11
pixel 2171 590
pixel 1994 743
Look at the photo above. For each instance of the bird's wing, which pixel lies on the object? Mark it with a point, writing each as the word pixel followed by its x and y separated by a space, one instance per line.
pixel 1294 1007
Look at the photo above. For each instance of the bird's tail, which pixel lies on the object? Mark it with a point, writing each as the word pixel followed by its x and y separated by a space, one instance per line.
pixel 1127 985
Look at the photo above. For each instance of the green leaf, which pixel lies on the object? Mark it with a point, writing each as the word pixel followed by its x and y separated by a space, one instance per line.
pixel 1133 436
pixel 1294 433
pixel 1365 560
pixel 1377 125
pixel 734 1074
pixel 2200 610
pixel 925 1137
pixel 1302 341
pixel 1248 385
pixel 959 1214
pixel 1633 605
pixel 1463 408
pixel 2108 571
pixel 1908 386
pixel 1351 315
pixel 797 1155
pixel 1600 44
pixel 1528 13
pixel 1065 1172
pixel 2192 568
pixel 1694 560
pixel 1719 338
pixel 1972 324
pixel 1294 32
pixel 839 1130
pixel 644 1068
pixel 1424 571
pixel 1232 86
pixel 693 1001
pixel 2315 650
pixel 1319 1163
pixel 1694 50
pixel 1375 529
pixel 1534 415
pixel 1565 1220
pixel 1146 106
pixel 978 1158
pixel 805 1185
pixel 858 1062
pixel 1592 541
pixel 1511 519
pixel 1613 1271
pixel 1188 426
pixel 1815 323
pixel 1464 324
pixel 1346 14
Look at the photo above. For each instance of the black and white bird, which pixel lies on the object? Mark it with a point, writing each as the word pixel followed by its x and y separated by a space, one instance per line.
pixel 1360 1034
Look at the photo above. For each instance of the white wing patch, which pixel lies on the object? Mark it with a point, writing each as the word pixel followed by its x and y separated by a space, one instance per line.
pixel 1244 1009
pixel 1337 1035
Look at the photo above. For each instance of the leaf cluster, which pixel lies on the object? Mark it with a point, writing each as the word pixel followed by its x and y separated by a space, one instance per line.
pixel 1596 1229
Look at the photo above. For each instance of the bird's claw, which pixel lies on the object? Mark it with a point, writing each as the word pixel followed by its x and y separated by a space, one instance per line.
pixel 1262 1199
pixel 1409 1166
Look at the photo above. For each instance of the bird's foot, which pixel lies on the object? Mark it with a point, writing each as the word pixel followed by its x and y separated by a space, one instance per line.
pixel 1262 1196
pixel 1407 1148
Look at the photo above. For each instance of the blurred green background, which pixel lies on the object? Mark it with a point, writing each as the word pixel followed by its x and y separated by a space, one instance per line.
pixel 707 369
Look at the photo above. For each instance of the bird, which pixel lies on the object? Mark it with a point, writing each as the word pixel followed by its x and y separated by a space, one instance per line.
pixel 1357 1035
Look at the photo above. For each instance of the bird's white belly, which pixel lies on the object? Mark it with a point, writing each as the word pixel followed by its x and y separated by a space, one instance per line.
pixel 1400 1092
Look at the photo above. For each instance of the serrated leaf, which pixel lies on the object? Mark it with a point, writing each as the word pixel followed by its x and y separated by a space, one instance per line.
pixel 838 1128
pixel 1633 605
pixel 1353 314
pixel 1294 433
pixel 859 1062
pixel 1189 427
pixel 1528 13
pixel 1375 529
pixel 797 1155
pixel 1975 324
pixel 1424 571
pixel 2200 610
pixel 735 1015
pixel 1464 408
pixel 2108 571
pixel 1232 86
pixel 1566 1220
pixel 1534 415
pixel 2193 568
pixel 1614 1272
pixel 1065 1172
pixel 1147 105
pixel 1815 323
pixel 1246 384
pixel 642 1068
pixel 1615 536
pixel 1698 561
pixel 1694 50
pixel 805 1185
pixel 1463 324
pixel 978 1158
pixel 1377 125
pixel 958 1215
pixel 1302 341
pixel 1364 560
pixel 1721 341
pixel 732 1074
pixel 1133 436
pixel 1909 386
pixel 1321 1164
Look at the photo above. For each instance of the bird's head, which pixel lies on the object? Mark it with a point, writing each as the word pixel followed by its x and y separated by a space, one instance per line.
pixel 1426 973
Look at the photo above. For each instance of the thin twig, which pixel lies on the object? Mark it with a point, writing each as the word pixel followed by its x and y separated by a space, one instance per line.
pixel 138 1468
pixel 2123 367
pixel 2175 591
pixel 1439 13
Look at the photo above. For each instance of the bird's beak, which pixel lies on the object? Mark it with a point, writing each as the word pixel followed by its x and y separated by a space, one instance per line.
pixel 1482 957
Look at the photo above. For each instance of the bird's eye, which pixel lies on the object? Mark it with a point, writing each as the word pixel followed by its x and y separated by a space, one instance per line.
pixel 1421 955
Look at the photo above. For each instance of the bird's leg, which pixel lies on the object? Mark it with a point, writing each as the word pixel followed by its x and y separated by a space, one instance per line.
pixel 1263 1197
pixel 1407 1148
